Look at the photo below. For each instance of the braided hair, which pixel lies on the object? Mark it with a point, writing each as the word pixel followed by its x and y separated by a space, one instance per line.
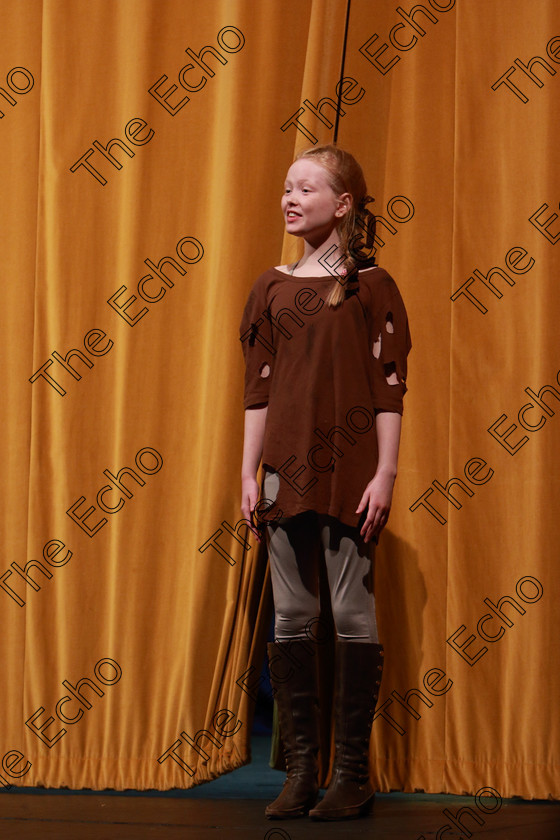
pixel 356 229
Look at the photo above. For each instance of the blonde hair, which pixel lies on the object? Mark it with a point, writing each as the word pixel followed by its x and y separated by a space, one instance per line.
pixel 346 176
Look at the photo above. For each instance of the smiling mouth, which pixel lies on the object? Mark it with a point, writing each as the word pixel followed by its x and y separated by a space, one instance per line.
pixel 292 215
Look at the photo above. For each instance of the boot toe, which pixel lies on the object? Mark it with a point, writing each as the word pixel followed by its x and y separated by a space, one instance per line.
pixel 345 801
pixel 296 798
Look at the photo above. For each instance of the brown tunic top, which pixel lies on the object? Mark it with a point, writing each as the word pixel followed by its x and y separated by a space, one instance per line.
pixel 324 373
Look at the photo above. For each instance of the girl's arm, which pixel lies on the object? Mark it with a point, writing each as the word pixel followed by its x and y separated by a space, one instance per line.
pixel 379 492
pixel 255 419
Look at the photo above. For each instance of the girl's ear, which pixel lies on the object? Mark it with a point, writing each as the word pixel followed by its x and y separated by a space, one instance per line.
pixel 344 205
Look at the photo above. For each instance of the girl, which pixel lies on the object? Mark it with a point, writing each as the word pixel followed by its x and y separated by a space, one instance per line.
pixel 325 342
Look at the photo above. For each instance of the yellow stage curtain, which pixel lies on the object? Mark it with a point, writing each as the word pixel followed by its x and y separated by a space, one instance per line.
pixel 143 147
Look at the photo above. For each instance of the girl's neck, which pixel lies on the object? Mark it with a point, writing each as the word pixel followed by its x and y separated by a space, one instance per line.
pixel 317 259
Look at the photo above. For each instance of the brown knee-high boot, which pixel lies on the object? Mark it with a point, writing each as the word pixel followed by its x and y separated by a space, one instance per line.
pixel 293 674
pixel 358 676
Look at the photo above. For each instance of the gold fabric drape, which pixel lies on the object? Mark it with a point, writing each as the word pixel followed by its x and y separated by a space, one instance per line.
pixel 143 151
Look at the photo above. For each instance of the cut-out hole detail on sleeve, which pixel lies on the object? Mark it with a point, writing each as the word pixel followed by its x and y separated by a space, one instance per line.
pixel 264 370
pixel 390 370
pixel 389 322
pixel 377 347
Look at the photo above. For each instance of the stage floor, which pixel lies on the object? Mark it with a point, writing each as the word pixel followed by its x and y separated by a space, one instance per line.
pixel 233 807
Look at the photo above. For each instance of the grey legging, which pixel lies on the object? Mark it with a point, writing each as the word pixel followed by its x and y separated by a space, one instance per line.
pixel 295 547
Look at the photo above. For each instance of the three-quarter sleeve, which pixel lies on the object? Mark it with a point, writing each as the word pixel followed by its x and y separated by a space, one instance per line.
pixel 255 334
pixel 390 344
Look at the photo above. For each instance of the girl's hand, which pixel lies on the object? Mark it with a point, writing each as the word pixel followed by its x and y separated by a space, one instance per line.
pixel 249 498
pixel 377 499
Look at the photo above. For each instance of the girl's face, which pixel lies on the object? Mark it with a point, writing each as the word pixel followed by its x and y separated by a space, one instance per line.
pixel 311 209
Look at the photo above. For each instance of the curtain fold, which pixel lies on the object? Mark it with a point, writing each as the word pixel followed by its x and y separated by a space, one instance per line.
pixel 143 148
